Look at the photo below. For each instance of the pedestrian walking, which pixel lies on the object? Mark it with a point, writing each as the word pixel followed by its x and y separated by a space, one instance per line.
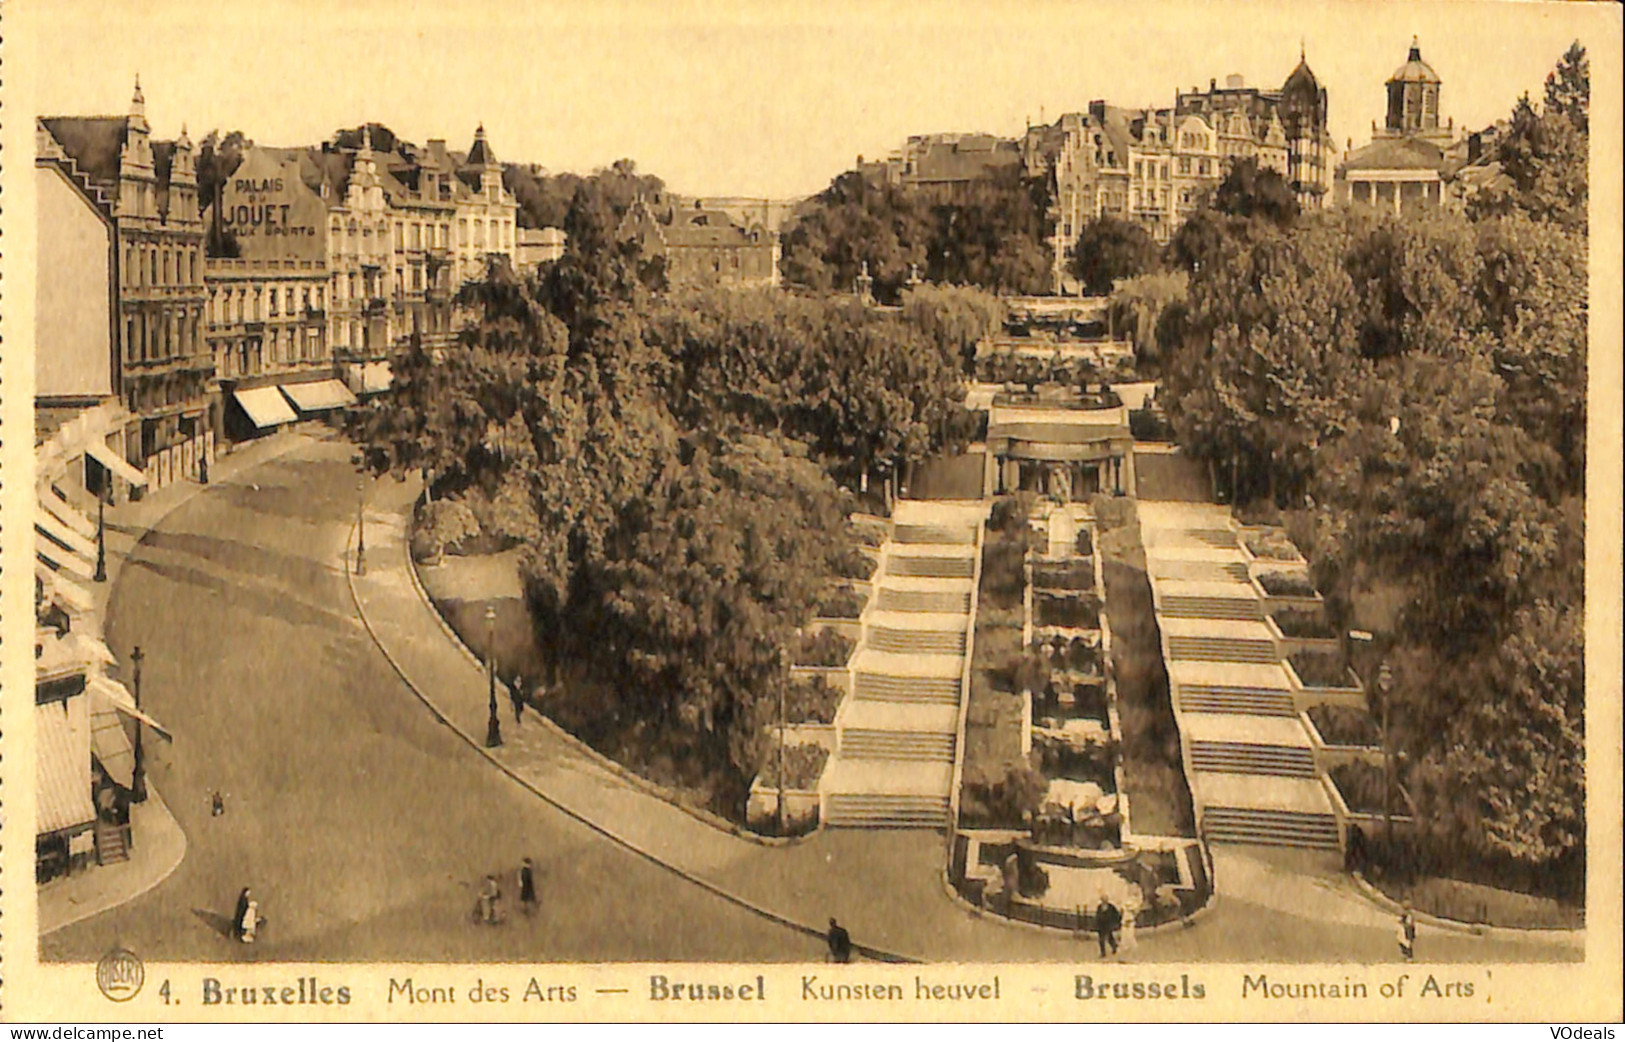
pixel 516 692
pixel 240 913
pixel 840 942
pixel 490 901
pixel 249 926
pixel 1107 920
pixel 217 803
pixel 527 886
pixel 1405 933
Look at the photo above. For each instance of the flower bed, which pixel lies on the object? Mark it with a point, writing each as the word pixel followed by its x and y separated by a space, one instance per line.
pixel 1075 653
pixel 1008 801
pixel 1340 725
pixel 1286 584
pixel 803 764
pixel 1078 612
pixel 1321 669
pixel 811 700
pixel 1303 623
pixel 1076 574
pixel 1271 544
pixel 824 648
pixel 842 603
pixel 1361 786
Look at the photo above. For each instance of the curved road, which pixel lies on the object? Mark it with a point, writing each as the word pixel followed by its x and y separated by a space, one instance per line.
pixel 363 825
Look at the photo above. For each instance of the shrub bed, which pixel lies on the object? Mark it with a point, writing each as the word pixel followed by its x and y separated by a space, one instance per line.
pixel 1286 584
pixel 1303 623
pixel 842 603
pixel 1321 668
pixel 856 564
pixel 802 766
pixel 1361 786
pixel 870 533
pixel 1074 653
pixel 1005 801
pixel 824 648
pixel 1273 544
pixel 1080 612
pixel 811 700
pixel 1340 725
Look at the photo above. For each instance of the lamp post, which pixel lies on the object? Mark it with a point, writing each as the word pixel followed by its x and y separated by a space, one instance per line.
pixel 493 726
pixel 1385 685
pixel 361 525
pixel 101 529
pixel 138 776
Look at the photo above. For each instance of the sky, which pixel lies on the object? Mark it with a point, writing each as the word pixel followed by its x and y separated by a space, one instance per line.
pixel 762 99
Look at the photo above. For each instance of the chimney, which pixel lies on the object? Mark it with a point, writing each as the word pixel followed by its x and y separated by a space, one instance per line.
pixel 1235 81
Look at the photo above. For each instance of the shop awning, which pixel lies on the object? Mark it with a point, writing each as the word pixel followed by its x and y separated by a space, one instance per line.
pixel 319 395
pixel 63 560
pixel 47 522
pixel 65 512
pixel 375 377
pixel 265 406
pixel 61 771
pixel 64 591
pixel 110 692
pixel 104 455
pixel 111 746
pixel 75 652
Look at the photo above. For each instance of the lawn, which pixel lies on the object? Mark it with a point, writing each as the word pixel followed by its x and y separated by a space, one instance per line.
pixel 948 477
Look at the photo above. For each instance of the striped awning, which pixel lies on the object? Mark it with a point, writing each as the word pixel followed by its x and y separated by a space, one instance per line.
pixel 62 590
pixel 109 692
pixel 49 524
pixel 63 560
pixel 66 512
pixel 265 406
pixel 103 454
pixel 62 768
pixel 110 745
pixel 319 395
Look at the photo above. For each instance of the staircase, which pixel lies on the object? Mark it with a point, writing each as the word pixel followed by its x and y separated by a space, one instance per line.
pixel 1248 758
pixel 1222 649
pixel 1219 698
pixel 1200 571
pixel 917 642
pixel 878 687
pixel 883 810
pixel 871 744
pixel 1235 609
pixel 1218 538
pixel 1282 828
pixel 112 843
pixel 893 762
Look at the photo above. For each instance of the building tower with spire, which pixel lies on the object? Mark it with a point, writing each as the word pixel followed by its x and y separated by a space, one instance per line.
pixel 1404 167
pixel 1413 102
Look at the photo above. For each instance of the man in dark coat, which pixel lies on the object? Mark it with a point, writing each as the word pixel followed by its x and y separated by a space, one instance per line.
pixel 1107 920
pixel 840 942
pixel 240 914
pixel 516 691
pixel 527 886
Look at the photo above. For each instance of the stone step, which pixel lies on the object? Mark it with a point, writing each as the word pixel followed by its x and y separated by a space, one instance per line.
pixel 1222 649
pixel 1219 537
pixel 110 844
pixel 922 600
pixel 1214 698
pixel 943 534
pixel 1240 609
pixel 1246 758
pixel 878 687
pixel 930 567
pixel 1199 571
pixel 860 743
pixel 1269 827
pixel 879 810
pixel 916 642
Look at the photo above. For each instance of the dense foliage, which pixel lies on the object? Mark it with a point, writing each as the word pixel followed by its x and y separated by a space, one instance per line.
pixel 1412 391
pixel 990 235
pixel 1109 248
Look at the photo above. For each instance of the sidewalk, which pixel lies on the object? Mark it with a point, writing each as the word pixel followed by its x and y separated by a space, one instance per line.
pixel 158 842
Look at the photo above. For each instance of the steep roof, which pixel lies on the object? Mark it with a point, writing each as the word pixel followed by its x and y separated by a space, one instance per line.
pixel 1302 78
pixel 968 158
pixel 94 143
pixel 704 228
pixel 480 153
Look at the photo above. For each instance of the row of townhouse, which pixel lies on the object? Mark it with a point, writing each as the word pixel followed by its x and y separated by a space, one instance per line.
pixel 310 266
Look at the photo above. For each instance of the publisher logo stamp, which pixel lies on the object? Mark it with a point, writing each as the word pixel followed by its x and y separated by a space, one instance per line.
pixel 120 975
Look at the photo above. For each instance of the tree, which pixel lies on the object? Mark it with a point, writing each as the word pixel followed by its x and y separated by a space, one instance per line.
pixel 1251 191
pixel 956 318
pixel 1138 304
pixel 854 224
pixel 1109 248
pixel 1544 155
pixel 1568 88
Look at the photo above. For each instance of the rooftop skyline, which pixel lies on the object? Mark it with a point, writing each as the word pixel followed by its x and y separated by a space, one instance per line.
pixel 753 99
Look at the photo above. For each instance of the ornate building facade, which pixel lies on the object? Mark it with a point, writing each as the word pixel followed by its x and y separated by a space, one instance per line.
pixel 1409 162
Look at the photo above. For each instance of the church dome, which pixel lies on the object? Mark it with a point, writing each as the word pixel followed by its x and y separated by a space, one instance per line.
pixel 1415 70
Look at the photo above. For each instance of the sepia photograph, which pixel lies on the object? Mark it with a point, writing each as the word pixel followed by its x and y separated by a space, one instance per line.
pixel 671 500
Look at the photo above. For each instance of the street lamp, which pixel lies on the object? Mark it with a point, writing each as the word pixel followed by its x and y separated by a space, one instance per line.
pixel 493 726
pixel 101 528
pixel 138 776
pixel 1385 686
pixel 361 526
